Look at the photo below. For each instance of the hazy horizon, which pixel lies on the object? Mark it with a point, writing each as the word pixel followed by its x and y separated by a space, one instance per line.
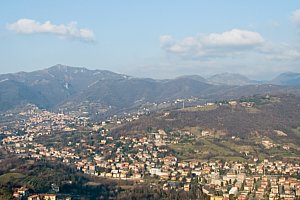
pixel 206 76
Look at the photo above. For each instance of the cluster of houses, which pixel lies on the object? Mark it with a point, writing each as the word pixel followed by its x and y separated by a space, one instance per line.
pixel 140 158
pixel 272 187
pixel 35 122
pixel 23 193
pixel 148 156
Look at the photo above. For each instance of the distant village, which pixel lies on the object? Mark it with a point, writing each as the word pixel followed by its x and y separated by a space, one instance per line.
pixel 143 158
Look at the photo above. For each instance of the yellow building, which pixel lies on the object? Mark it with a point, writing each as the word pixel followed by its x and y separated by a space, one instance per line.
pixel 49 197
pixel 42 197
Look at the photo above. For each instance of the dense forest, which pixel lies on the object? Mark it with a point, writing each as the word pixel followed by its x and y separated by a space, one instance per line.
pixel 38 176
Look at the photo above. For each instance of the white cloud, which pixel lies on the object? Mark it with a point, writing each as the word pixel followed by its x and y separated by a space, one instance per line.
pixel 235 37
pixel 295 17
pixel 166 39
pixel 235 43
pixel 29 26
pixel 214 44
pixel 280 51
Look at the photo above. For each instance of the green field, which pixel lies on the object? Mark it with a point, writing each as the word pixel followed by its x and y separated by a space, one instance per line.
pixel 208 147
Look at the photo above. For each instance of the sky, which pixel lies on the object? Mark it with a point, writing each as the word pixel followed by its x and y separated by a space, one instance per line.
pixel 157 39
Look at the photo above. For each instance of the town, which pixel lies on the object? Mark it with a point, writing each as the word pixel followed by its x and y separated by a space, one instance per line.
pixel 144 158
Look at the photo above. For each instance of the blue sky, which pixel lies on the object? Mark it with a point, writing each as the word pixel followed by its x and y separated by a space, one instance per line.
pixel 159 39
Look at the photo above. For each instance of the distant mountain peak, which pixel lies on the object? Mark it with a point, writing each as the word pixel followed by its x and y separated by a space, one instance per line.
pixel 62 85
pixel 193 77
pixel 227 74
pixel 60 67
pixel 288 73
pixel 230 79
pixel 287 78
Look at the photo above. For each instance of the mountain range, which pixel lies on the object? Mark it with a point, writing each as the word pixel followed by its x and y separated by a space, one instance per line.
pixel 75 88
